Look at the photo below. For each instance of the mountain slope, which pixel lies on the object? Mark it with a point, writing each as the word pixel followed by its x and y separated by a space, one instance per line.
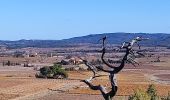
pixel 157 39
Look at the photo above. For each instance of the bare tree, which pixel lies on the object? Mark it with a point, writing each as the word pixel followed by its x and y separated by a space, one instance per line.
pixel 113 70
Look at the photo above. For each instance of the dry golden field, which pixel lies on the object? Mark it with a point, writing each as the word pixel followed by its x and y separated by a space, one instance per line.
pixel 19 83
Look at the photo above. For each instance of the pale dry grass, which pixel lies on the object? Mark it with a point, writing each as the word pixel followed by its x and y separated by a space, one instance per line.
pixel 16 81
pixel 128 81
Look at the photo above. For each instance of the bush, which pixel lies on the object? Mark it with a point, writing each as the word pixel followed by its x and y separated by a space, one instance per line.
pixel 57 69
pixel 45 70
pixel 150 94
pixel 54 71
pixel 151 91
pixel 139 95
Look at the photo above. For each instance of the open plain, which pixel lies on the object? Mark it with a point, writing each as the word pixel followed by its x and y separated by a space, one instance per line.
pixel 19 83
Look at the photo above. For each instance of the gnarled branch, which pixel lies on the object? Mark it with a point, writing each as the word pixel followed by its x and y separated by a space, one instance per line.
pixel 114 70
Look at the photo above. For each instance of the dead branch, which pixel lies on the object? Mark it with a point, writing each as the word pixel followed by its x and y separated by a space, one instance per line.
pixel 114 70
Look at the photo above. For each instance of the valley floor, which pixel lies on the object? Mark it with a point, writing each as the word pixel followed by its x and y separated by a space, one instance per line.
pixel 19 83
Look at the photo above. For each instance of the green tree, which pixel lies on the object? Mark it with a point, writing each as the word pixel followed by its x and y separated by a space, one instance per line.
pixel 53 71
pixel 152 92
pixel 45 70
pixel 139 95
pixel 57 70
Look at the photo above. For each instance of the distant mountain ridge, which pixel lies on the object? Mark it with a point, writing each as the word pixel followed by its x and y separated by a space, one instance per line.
pixel 155 39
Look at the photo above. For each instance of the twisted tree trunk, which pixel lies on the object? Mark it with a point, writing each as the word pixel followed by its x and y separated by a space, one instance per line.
pixel 113 70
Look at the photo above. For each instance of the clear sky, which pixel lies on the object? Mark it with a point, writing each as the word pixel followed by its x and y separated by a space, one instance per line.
pixel 59 19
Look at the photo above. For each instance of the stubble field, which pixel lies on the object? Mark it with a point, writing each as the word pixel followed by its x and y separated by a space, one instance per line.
pixel 19 83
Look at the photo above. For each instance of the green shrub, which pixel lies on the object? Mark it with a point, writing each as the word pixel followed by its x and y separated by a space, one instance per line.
pixel 139 95
pixel 151 91
pixel 45 70
pixel 57 69
pixel 52 71
pixel 150 94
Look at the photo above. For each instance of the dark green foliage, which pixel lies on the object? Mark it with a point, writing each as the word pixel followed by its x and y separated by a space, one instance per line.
pixel 54 71
pixel 139 95
pixel 152 92
pixel 57 69
pixel 45 70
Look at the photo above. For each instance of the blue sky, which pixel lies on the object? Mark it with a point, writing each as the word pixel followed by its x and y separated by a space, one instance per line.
pixel 59 19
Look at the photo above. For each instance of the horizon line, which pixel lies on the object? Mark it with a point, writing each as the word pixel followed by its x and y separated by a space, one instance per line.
pixel 85 35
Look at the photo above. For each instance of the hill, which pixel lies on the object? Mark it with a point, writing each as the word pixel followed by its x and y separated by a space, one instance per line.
pixel 156 39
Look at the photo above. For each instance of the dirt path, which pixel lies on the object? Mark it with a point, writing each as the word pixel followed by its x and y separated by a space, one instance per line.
pixel 153 75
